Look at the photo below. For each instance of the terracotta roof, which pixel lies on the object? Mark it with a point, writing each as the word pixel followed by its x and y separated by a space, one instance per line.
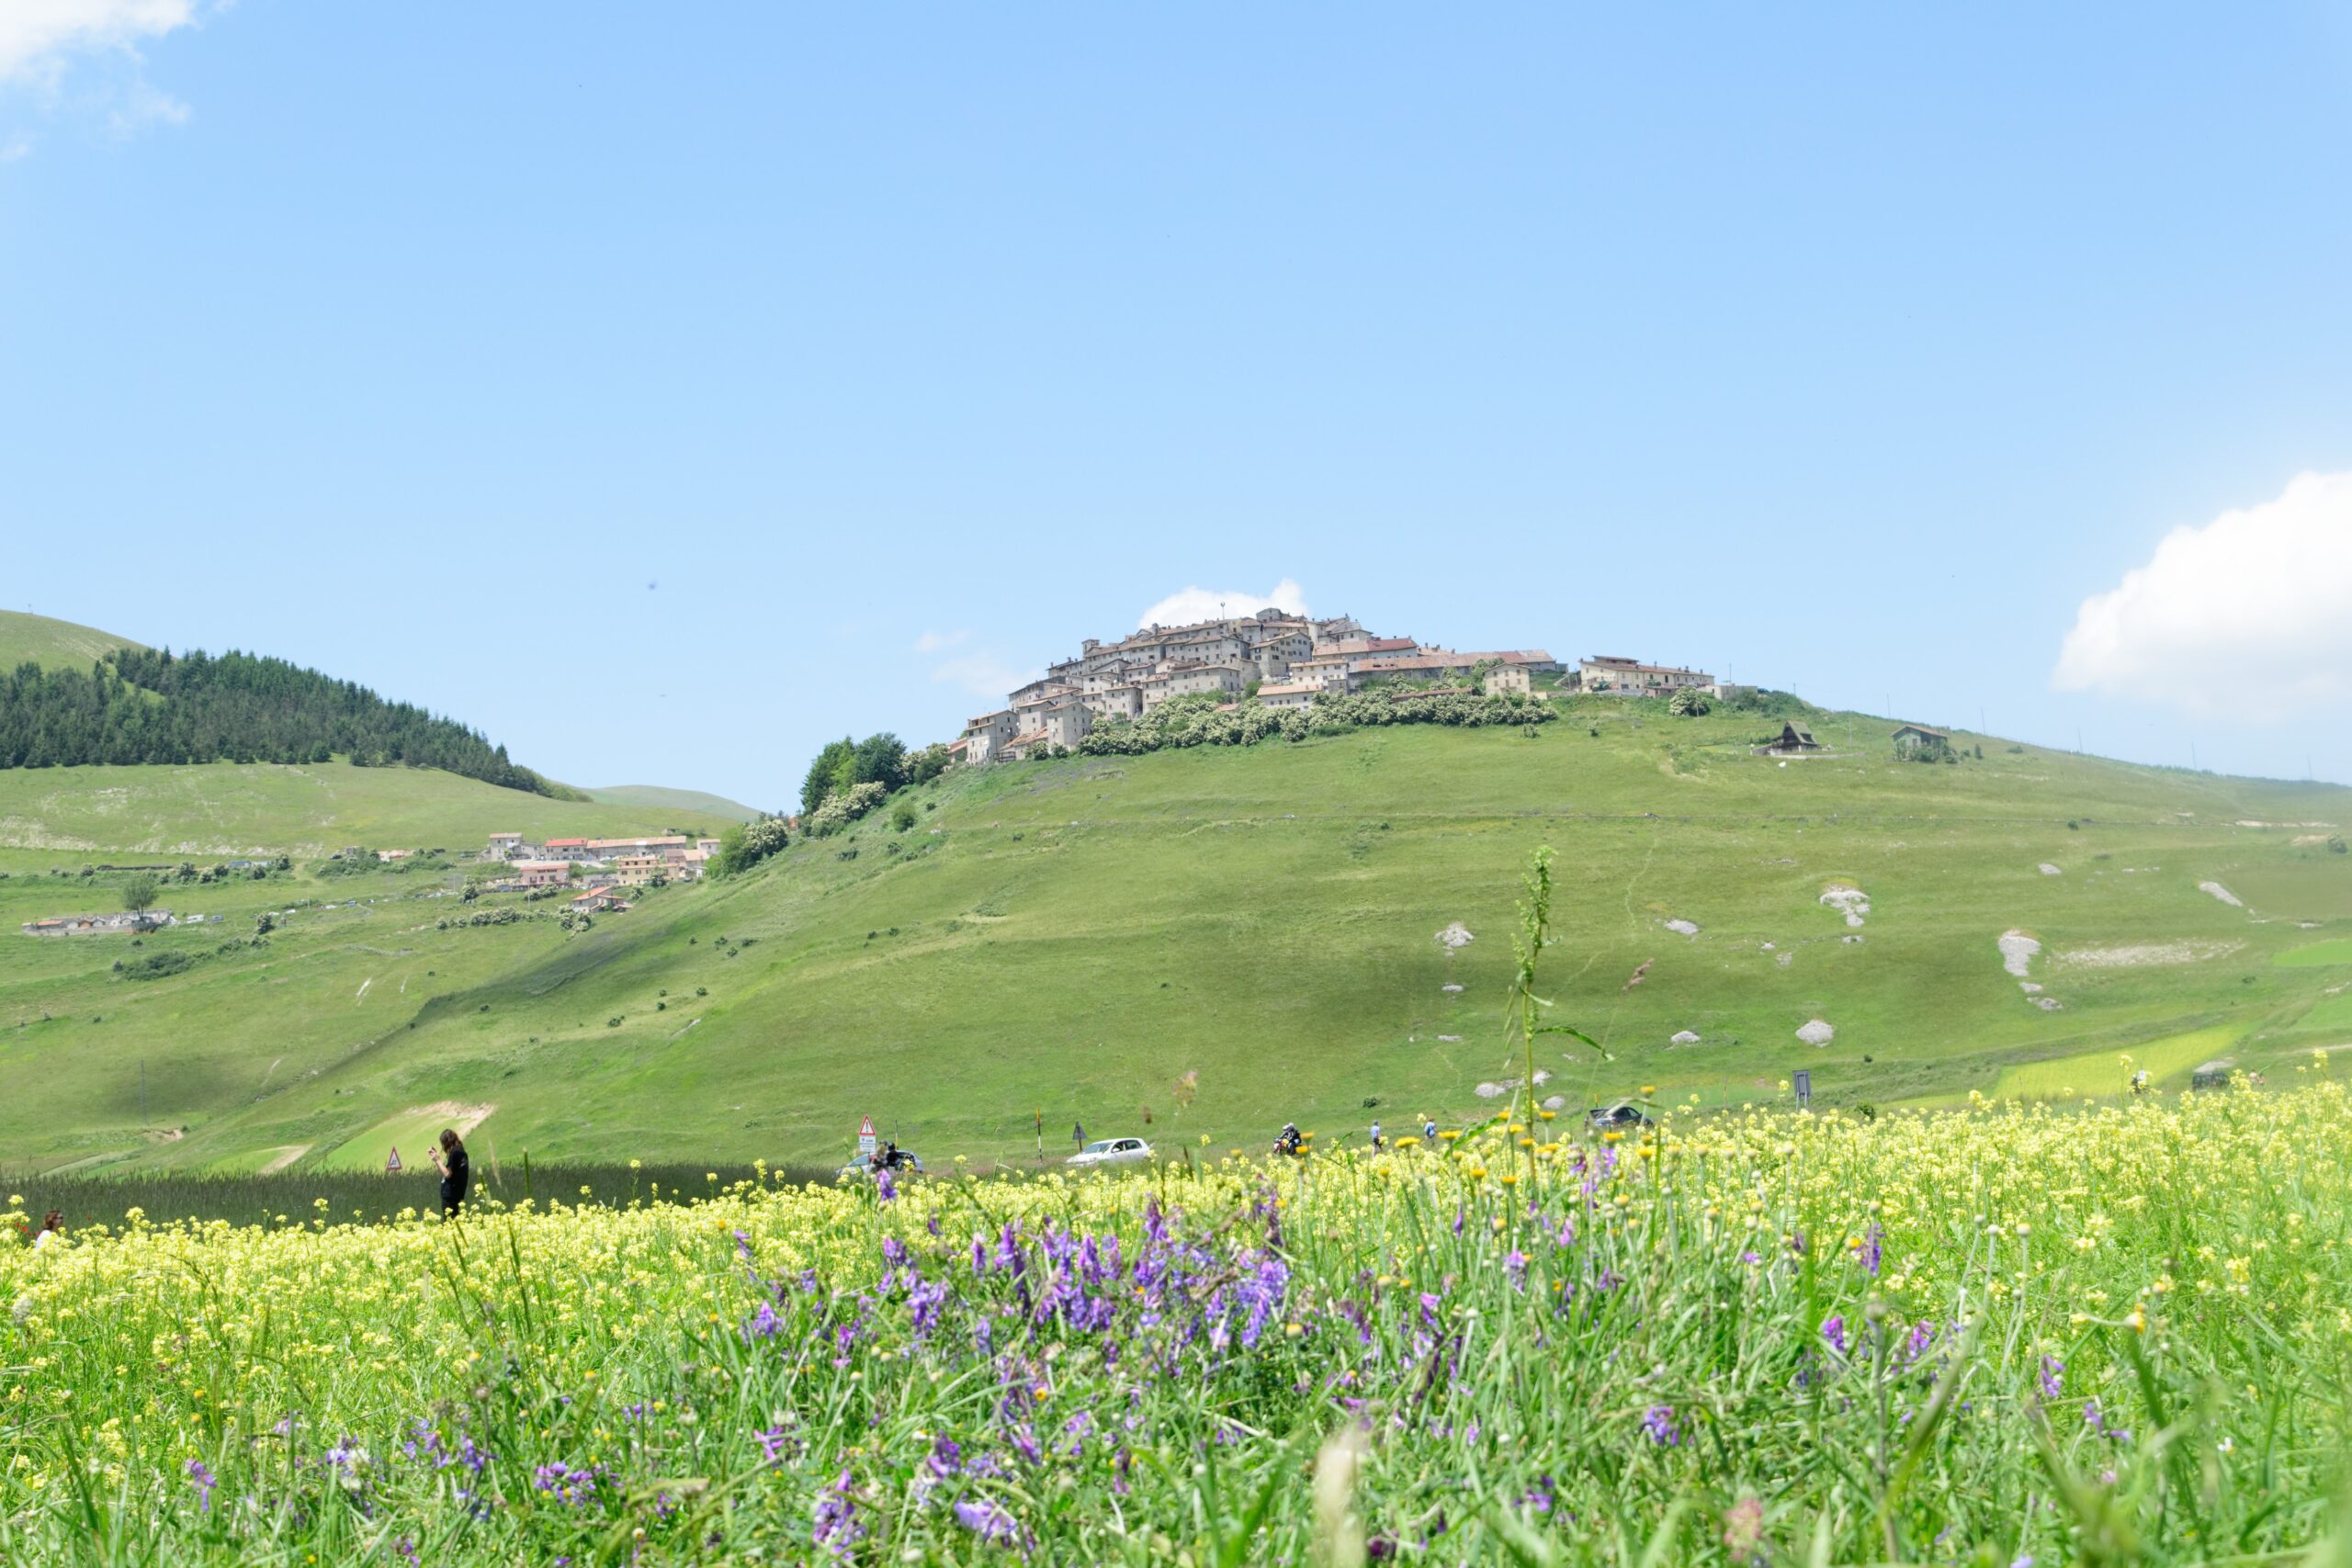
pixel 567 843
pixel 1288 688
pixel 1024 739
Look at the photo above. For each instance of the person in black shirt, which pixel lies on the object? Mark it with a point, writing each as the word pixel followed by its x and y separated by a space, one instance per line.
pixel 457 1171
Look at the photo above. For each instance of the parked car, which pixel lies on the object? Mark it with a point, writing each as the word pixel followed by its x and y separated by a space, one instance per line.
pixel 1619 1117
pixel 1111 1151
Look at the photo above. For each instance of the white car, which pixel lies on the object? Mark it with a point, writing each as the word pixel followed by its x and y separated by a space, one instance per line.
pixel 1111 1151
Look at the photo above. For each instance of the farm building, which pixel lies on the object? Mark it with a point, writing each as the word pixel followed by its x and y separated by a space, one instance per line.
pixel 1794 737
pixel 1918 741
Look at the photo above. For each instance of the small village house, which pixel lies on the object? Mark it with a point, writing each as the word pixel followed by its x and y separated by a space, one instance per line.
pixel 541 872
pixel 1794 737
pixel 1913 741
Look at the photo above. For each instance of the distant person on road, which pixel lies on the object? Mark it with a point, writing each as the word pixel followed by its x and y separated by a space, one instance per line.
pixel 1377 1144
pixel 457 1171
pixel 51 1227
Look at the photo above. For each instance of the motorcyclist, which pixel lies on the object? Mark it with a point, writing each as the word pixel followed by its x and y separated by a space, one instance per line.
pixel 1290 1140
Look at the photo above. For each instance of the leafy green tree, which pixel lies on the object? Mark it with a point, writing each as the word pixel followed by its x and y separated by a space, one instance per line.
pixel 1688 703
pixel 828 775
pixel 880 759
pixel 139 892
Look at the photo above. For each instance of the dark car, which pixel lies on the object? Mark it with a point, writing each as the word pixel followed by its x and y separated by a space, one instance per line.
pixel 1617 1117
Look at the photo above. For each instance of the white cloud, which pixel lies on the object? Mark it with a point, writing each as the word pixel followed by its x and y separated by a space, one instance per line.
pixel 40 39
pixel 983 675
pixel 933 642
pixel 2248 616
pixel 1192 604
pixel 36 35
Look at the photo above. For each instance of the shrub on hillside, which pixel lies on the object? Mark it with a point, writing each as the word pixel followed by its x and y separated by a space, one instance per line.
pixel 841 809
pixel 155 965
pixel 746 844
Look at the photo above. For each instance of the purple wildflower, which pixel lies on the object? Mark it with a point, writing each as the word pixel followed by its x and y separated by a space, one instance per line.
pixel 1658 1420
pixel 1871 1248
pixel 2052 1369
pixel 763 1325
pixel 566 1485
pixel 883 1184
pixel 946 1458
pixel 838 1528
pixel 986 1520
pixel 201 1479
pixel 1541 1496
pixel 1833 1329
pixel 1515 1265
pixel 777 1444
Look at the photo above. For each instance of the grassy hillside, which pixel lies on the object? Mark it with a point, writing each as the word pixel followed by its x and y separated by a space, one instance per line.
pixel 43 641
pixel 1075 937
pixel 224 808
pixel 659 798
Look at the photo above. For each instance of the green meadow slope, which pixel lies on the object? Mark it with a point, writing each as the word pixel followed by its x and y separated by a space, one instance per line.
pixel 37 639
pixel 656 796
pixel 1204 943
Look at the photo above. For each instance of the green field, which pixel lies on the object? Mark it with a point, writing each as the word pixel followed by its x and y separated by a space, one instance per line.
pixel 37 639
pixel 659 798
pixel 1075 937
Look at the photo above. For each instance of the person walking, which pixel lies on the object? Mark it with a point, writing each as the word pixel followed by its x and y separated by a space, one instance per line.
pixel 1428 1129
pixel 51 1228
pixel 457 1171
pixel 1377 1144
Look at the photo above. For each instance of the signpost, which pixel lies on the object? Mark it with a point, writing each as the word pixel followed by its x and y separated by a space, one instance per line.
pixel 865 1139
pixel 392 1164
pixel 1803 1080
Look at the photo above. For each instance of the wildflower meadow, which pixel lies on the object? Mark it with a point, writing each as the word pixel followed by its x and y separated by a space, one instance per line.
pixel 2115 1334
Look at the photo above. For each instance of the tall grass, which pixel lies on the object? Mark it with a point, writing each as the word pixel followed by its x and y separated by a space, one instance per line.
pixel 1985 1337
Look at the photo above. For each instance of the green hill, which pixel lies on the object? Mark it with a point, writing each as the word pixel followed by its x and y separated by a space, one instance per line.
pixel 657 796
pixel 1075 937
pixel 37 639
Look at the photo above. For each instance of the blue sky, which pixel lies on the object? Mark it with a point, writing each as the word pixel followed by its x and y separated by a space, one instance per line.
pixel 763 373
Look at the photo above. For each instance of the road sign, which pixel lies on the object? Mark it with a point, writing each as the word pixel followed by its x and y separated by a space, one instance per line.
pixel 393 1163
pixel 865 1137
pixel 1803 1080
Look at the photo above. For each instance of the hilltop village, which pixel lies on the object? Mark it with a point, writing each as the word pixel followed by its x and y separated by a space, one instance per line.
pixel 1278 660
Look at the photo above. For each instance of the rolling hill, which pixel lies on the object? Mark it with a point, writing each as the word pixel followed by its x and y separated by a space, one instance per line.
pixel 1073 938
pixel 659 798
pixel 30 639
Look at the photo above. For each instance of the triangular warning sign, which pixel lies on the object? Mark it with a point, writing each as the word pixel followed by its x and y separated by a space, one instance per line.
pixel 393 1163
pixel 866 1126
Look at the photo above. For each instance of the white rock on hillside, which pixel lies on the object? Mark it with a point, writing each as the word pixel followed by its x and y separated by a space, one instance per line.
pixel 1850 902
pixel 1455 936
pixel 1817 1033
pixel 2224 893
pixel 1686 1038
pixel 2017 953
pixel 2048 870
pixel 1682 928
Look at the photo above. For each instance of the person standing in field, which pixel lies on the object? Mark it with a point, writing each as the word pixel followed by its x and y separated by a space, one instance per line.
pixel 457 1171
pixel 1377 1144
pixel 51 1228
